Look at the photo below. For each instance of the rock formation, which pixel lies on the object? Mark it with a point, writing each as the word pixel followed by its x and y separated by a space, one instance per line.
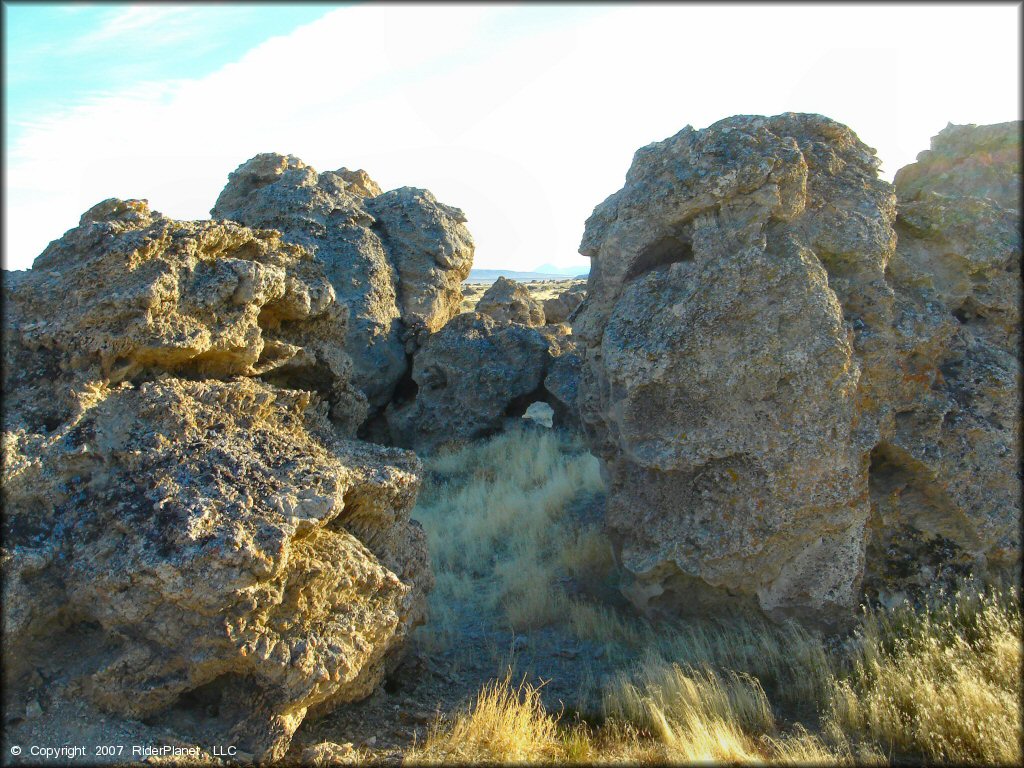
pixel 562 387
pixel 395 259
pixel 752 353
pixel 183 514
pixel 508 301
pixel 945 483
pixel 469 375
pixel 559 308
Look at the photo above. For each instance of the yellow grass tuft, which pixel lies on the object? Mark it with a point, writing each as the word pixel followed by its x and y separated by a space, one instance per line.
pixel 940 684
pixel 506 724
pixel 495 521
pixel 944 684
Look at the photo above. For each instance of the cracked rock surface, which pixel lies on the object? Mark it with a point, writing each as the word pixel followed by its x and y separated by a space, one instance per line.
pixel 785 364
pixel 186 518
pixel 395 259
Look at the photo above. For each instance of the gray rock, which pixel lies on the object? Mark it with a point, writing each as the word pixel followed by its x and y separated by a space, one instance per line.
pixel 559 308
pixel 562 386
pixel 432 251
pixel 747 359
pixel 944 485
pixel 468 376
pixel 392 258
pixel 508 301
pixel 180 515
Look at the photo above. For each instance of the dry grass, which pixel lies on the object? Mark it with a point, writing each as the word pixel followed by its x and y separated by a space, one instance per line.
pixel 506 724
pixel 673 717
pixel 495 525
pixel 935 685
pixel 944 683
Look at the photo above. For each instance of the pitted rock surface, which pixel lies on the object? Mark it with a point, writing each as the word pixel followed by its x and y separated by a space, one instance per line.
pixel 945 482
pixel 508 301
pixel 181 515
pixel 395 259
pixel 469 375
pixel 559 308
pixel 745 369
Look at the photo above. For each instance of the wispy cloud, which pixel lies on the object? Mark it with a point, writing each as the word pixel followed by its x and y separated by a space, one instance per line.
pixel 136 20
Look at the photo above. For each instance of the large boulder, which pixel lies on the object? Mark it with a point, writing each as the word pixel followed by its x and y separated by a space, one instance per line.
pixel 395 259
pixel 744 371
pixel 432 252
pixel 184 518
pixel 469 376
pixel 508 301
pixel 945 486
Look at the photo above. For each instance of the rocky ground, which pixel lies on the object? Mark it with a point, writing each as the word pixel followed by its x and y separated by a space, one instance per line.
pixel 540 290
pixel 434 683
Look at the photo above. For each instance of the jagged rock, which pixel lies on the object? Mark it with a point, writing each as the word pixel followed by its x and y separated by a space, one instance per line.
pixel 180 516
pixel 967 161
pixel 559 308
pixel 327 753
pixel 945 490
pixel 134 294
pixel 508 301
pixel 747 358
pixel 432 251
pixel 394 259
pixel 562 385
pixel 469 375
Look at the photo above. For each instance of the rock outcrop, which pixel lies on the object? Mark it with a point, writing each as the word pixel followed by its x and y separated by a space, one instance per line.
pixel 508 301
pixel 561 383
pixel 558 308
pixel 184 518
pixel 749 353
pixel 945 484
pixel 395 259
pixel 469 376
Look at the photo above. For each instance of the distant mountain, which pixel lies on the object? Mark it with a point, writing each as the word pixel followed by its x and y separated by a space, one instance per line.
pixel 573 271
pixel 490 275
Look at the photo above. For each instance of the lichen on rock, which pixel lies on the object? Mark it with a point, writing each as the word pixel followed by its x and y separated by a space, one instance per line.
pixel 395 259
pixel 753 335
pixel 183 508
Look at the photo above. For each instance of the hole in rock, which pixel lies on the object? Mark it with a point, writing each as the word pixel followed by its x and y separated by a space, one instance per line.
pixel 968 312
pixel 209 701
pixel 670 249
pixel 517 407
pixel 317 378
pixel 51 423
pixel 406 389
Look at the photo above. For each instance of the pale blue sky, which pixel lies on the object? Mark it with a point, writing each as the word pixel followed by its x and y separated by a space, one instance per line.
pixel 524 116
pixel 63 55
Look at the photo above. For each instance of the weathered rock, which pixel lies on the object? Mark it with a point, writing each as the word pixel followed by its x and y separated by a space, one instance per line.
pixel 559 308
pixel 746 351
pixel 180 516
pixel 327 753
pixel 134 294
pixel 469 375
pixel 508 301
pixel 394 259
pixel 432 251
pixel 562 386
pixel 944 483
pixel 981 161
